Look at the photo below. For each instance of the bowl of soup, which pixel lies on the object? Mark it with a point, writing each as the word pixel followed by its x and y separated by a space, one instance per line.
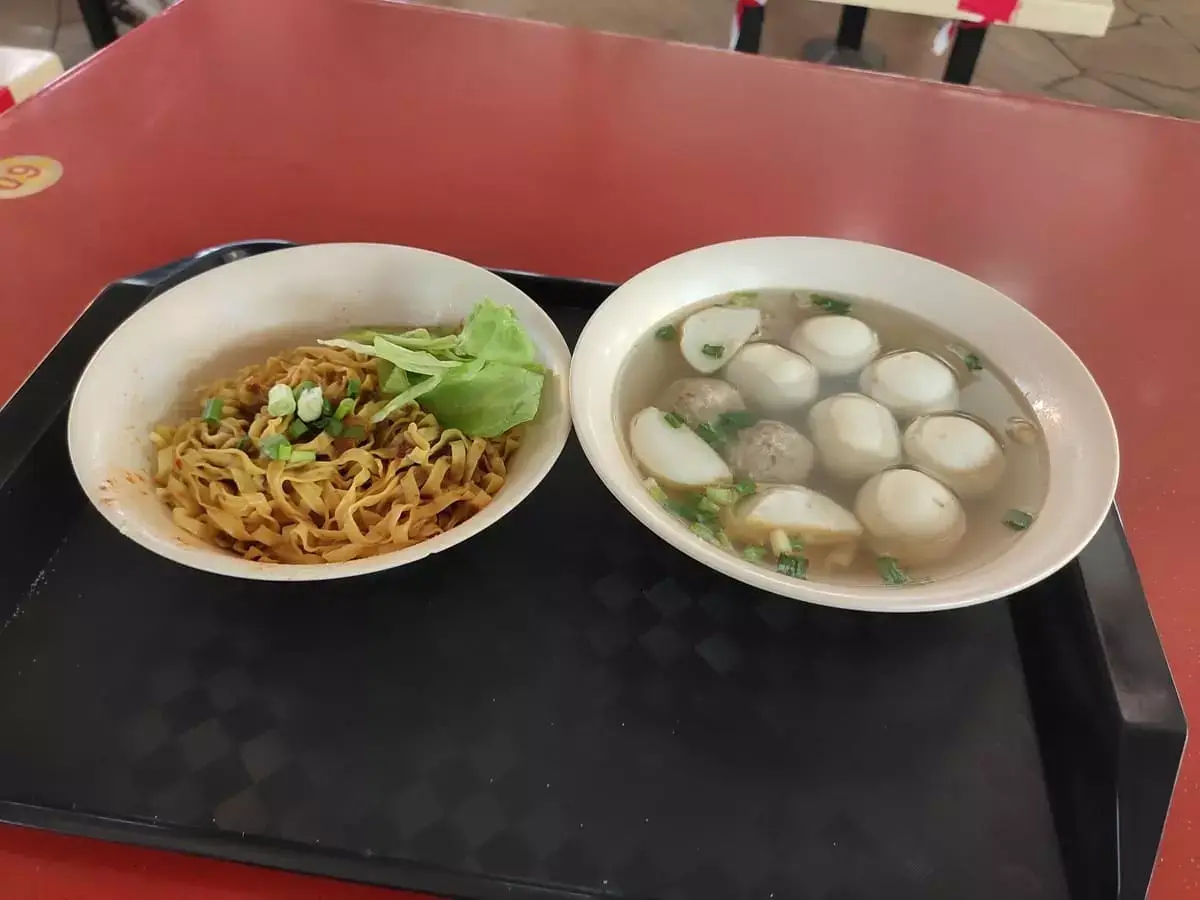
pixel 844 423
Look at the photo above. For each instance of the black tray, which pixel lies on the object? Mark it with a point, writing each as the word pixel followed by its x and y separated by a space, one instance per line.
pixel 565 706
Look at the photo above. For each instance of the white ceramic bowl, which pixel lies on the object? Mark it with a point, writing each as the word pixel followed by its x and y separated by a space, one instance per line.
pixel 207 328
pixel 1079 430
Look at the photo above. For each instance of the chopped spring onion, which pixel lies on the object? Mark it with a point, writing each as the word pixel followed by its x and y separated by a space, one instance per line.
pixel 755 554
pixel 310 404
pixel 344 409
pixel 830 304
pixel 354 432
pixel 213 409
pixel 244 444
pixel 973 362
pixel 721 496
pixel 656 492
pixel 725 428
pixel 703 532
pixel 334 427
pixel 733 422
pixel 689 508
pixel 793 565
pixel 673 419
pixel 743 295
pixel 781 544
pixel 1017 520
pixel 890 571
pixel 298 457
pixel 745 488
pixel 297 429
pixel 708 506
pixel 302 387
pixel 275 447
pixel 353 387
pixel 280 401
pixel 666 333
pixel 714 351
pixel 725 542
pixel 326 407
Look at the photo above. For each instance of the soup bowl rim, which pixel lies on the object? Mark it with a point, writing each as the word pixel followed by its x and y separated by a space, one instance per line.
pixel 1080 434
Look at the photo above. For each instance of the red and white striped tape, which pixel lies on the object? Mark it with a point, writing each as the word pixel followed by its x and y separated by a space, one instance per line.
pixel 988 11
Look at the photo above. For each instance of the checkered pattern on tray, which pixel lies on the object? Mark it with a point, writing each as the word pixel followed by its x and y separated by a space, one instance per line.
pixel 563 700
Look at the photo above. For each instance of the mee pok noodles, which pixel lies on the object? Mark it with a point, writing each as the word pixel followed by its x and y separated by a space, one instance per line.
pixel 354 447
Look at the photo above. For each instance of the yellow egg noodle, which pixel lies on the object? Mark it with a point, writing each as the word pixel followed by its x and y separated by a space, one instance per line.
pixel 391 485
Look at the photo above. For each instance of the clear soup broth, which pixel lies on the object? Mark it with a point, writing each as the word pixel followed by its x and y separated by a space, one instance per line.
pixel 956 509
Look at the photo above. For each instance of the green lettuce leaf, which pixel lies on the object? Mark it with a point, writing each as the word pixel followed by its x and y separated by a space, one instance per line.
pixel 488 401
pixel 413 339
pixel 415 362
pixel 406 396
pixel 386 370
pixel 397 380
pixel 482 381
pixel 412 361
pixel 493 333
pixel 367 349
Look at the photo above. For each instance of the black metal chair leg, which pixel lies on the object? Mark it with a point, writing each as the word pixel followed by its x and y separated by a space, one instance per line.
pixel 100 25
pixel 750 34
pixel 968 41
pixel 846 47
pixel 851 27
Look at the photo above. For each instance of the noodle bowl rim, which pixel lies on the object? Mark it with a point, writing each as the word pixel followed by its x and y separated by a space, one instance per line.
pixel 116 491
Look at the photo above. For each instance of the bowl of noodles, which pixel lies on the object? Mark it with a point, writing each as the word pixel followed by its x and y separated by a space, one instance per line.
pixel 321 412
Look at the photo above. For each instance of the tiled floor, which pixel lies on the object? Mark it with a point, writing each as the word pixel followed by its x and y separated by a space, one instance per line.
pixel 45 24
pixel 1149 60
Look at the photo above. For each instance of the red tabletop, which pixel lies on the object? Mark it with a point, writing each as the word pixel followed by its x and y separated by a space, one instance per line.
pixel 571 153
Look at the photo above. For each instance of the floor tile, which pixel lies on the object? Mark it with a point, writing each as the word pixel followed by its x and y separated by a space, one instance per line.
pixel 1123 15
pixel 38 13
pixel 1151 50
pixel 1017 60
pixel 74 45
pixel 1186 23
pixel 1162 8
pixel 70 11
pixel 1185 104
pixel 1088 90
pixel 906 42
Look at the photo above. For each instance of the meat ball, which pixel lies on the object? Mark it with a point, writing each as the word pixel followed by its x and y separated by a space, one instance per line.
pixel 798 512
pixel 958 451
pixel 836 345
pixel 673 454
pixel 911 383
pixel 856 436
pixel 701 400
pixel 771 452
pixel 774 379
pixel 710 337
pixel 910 516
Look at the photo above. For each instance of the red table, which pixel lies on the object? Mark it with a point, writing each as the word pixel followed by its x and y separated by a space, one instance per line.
pixel 565 152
